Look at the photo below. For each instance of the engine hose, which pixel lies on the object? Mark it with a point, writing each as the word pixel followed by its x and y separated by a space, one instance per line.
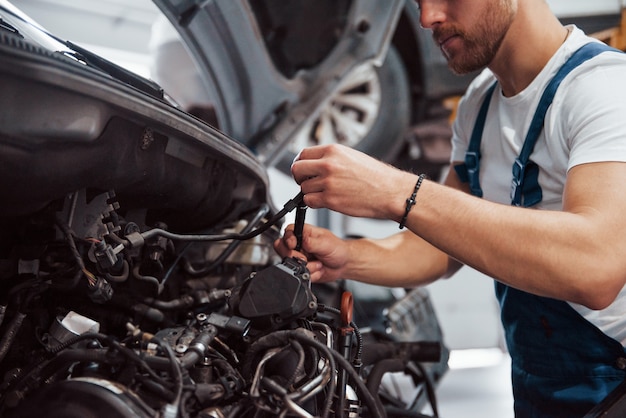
pixel 418 351
pixel 149 279
pixel 332 385
pixel 156 387
pixel 183 302
pixel 277 389
pixel 126 352
pixel 208 393
pixel 123 276
pixel 281 339
pixel 389 365
pixel 10 334
pixel 300 366
pixel 357 333
pixel 372 402
pixel 264 343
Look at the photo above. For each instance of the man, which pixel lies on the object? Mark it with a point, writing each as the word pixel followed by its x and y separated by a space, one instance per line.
pixel 560 265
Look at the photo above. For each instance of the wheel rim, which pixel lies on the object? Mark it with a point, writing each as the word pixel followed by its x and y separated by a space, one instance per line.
pixel 348 115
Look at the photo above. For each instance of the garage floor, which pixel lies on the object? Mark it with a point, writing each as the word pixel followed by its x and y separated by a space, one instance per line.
pixel 483 391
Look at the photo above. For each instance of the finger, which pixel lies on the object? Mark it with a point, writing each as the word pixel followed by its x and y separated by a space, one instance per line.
pixel 280 247
pixel 321 275
pixel 304 170
pixel 296 158
pixel 287 243
pixel 316 270
pixel 312 153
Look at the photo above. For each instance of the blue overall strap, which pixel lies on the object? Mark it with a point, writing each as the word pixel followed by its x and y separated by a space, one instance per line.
pixel 469 170
pixel 525 189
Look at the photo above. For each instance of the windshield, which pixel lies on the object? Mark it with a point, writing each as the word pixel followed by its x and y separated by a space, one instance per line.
pixel 28 28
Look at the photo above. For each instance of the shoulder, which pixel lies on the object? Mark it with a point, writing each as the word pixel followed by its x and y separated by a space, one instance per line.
pixel 599 81
pixel 589 108
pixel 596 87
pixel 609 59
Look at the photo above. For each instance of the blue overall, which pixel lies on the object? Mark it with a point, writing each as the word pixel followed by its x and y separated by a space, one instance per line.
pixel 562 365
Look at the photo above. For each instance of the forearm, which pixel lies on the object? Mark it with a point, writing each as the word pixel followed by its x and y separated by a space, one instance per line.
pixel 550 253
pixel 401 260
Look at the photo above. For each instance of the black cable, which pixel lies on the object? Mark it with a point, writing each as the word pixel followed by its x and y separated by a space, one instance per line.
pixel 357 332
pixel 10 334
pixel 418 369
pixel 232 246
pixel 176 371
pixel 299 366
pixel 289 206
pixel 299 224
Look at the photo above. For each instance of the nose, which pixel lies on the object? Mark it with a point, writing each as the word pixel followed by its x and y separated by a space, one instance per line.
pixel 432 13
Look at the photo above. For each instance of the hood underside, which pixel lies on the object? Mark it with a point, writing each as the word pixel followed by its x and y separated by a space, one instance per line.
pixel 66 126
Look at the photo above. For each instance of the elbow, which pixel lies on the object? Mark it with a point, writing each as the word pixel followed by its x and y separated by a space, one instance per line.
pixel 600 294
pixel 598 302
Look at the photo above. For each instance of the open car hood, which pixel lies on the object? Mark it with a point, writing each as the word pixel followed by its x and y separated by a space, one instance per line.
pixel 72 121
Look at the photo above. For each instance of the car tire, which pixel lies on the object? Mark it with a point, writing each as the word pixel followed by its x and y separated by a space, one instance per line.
pixel 372 107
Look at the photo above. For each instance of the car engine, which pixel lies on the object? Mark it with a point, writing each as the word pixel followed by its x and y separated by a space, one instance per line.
pixel 102 313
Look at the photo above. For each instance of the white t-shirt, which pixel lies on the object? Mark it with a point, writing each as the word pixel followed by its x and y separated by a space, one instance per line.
pixel 586 123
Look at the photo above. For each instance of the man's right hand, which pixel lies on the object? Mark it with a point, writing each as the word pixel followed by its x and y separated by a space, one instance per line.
pixel 326 254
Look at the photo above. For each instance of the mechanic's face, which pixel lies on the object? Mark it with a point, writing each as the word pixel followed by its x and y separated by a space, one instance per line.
pixel 468 32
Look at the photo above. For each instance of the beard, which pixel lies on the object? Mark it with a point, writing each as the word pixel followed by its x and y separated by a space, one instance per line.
pixel 481 42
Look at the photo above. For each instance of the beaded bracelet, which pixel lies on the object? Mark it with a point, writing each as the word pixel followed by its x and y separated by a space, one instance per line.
pixel 410 202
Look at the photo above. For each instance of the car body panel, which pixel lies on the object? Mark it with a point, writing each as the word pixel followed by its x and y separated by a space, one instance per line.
pixel 251 96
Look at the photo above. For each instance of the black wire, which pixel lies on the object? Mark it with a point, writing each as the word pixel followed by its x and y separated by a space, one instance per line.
pixel 224 254
pixel 289 206
pixel 299 224
pixel 419 370
pixel 357 332
pixel 175 369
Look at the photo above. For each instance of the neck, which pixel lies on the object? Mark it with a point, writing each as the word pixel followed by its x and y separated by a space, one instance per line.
pixel 533 38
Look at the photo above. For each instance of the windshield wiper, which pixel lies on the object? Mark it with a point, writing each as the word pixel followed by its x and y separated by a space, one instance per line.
pixel 115 71
pixel 4 25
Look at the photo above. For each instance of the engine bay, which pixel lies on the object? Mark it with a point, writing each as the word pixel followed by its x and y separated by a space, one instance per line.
pixel 101 312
